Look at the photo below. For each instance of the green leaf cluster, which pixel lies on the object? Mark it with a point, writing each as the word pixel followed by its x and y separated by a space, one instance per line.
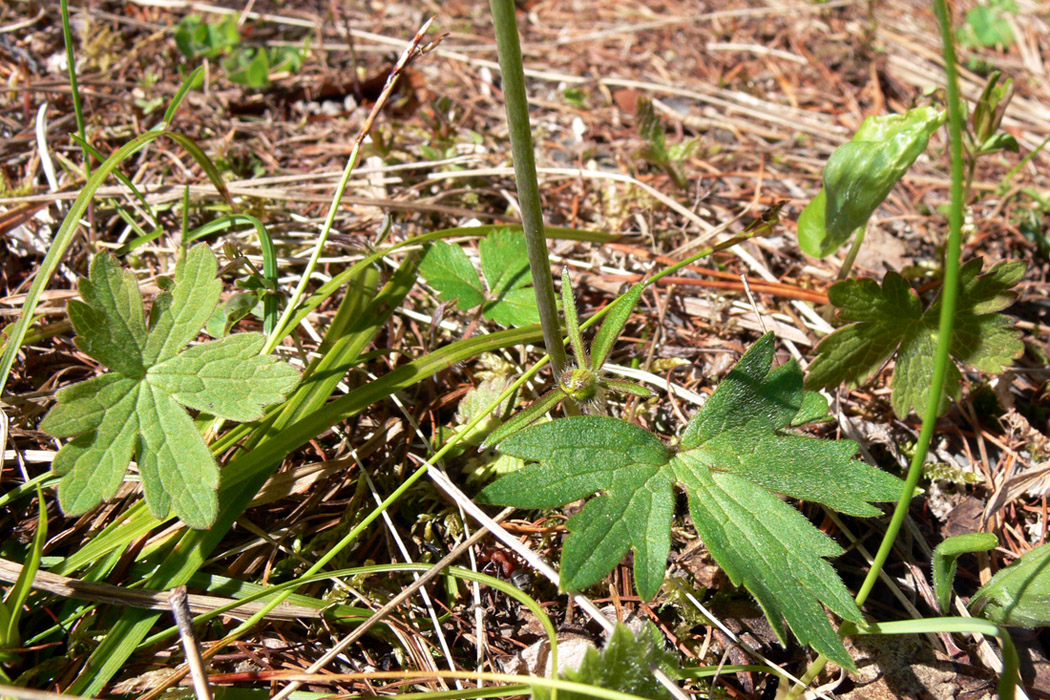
pixel 196 38
pixel 505 267
pixel 624 665
pixel 736 455
pixel 987 26
pixel 889 318
pixel 860 174
pixel 137 409
pixel 245 65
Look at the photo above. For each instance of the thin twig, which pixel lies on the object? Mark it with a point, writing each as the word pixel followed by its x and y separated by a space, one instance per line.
pixel 180 609
pixel 148 600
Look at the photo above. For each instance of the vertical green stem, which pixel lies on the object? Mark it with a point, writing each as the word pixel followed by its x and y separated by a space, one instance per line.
pixel 67 36
pixel 949 293
pixel 506 25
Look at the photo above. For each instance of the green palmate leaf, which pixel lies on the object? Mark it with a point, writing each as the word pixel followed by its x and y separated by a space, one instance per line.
pixel 889 318
pixel 505 266
pixel 735 457
pixel 860 174
pixel 137 410
pixel 624 665
pixel 447 269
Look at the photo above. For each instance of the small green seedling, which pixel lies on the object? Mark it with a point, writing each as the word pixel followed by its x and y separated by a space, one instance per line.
pixel 657 151
pixel 582 384
pixel 736 455
pixel 199 39
pixel 889 319
pixel 505 267
pixel 624 665
pixel 241 304
pixel 987 26
pixel 946 556
pixel 137 408
pixel 983 136
pixel 245 65
pixel 1018 595
pixel 860 174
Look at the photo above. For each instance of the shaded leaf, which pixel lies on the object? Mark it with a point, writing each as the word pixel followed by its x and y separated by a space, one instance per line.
pixel 889 318
pixel 504 261
pixel 230 312
pixel 516 307
pixel 1018 595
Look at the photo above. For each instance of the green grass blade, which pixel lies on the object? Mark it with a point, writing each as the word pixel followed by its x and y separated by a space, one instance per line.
pixel 122 178
pixel 16 597
pixel 195 151
pixel 59 244
pixel 74 88
pixel 184 89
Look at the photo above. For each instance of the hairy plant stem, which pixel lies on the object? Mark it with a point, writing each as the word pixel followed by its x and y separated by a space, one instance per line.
pixel 509 50
pixel 949 295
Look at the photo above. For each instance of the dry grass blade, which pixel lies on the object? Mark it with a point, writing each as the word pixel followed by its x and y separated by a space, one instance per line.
pixel 148 600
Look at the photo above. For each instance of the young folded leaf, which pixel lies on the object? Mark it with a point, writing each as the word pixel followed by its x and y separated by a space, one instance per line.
pixel 136 410
pixel 889 318
pixel 735 456
pixel 860 174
